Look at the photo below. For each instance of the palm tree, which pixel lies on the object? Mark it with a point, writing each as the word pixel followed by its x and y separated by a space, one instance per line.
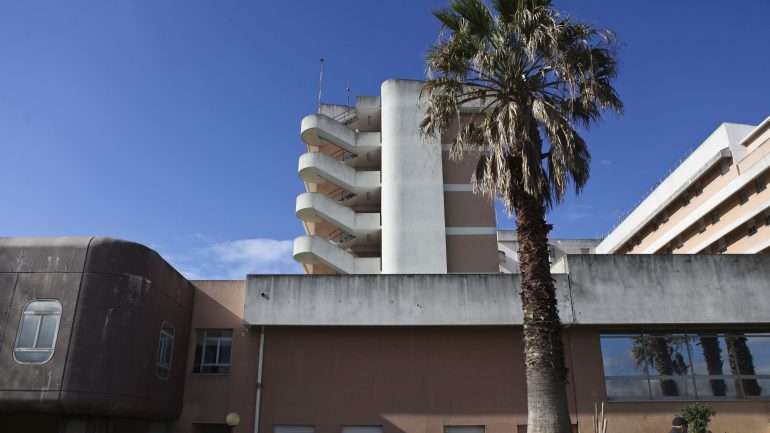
pixel 519 79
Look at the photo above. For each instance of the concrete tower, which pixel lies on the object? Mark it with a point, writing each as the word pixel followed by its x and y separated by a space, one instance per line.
pixel 382 198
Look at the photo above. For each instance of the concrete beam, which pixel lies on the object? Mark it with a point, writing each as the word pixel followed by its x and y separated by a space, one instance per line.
pixel 599 290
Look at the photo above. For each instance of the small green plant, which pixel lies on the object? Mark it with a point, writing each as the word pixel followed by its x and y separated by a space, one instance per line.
pixel 698 417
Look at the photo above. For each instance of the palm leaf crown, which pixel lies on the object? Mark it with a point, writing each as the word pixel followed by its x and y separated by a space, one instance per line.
pixel 524 79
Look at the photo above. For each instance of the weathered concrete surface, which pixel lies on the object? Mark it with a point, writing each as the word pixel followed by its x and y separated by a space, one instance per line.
pixel 393 300
pixel 599 290
pixel 41 254
pixel 413 224
pixel 115 296
pixel 670 289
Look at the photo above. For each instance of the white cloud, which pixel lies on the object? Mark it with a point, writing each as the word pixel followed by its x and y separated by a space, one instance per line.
pixel 235 259
pixel 255 256
pixel 578 212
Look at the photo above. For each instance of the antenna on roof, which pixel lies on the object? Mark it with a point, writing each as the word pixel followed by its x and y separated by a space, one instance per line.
pixel 320 84
pixel 347 93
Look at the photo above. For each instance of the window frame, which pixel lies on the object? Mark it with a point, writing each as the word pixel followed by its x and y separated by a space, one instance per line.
pixel 455 427
pixel 51 350
pixel 198 366
pixel 344 427
pixel 164 325
pixel 691 377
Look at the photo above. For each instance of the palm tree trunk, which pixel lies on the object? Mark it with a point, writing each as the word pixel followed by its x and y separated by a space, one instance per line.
pixel 543 348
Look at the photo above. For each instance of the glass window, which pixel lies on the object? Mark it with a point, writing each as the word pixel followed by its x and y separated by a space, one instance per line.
pixel 165 350
pixel 627 388
pixel 293 429
pixel 464 429
pixel 669 363
pixel 39 325
pixel 361 429
pixel 212 351
pixel 758 349
pixel 622 357
pixel 694 366
pixel 711 366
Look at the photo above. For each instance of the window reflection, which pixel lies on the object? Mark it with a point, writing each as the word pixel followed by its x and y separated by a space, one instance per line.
pixel 620 358
pixel 686 366
pixel 709 358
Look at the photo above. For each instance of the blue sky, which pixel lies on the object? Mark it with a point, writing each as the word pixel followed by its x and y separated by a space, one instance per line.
pixel 175 123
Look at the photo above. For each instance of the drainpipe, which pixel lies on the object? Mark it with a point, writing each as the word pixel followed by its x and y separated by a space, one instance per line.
pixel 258 402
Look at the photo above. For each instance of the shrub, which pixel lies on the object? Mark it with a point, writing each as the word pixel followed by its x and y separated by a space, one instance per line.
pixel 698 417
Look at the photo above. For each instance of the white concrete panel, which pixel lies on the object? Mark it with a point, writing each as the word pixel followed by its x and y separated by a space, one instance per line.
pixel 413 233
pixel 318 168
pixel 318 130
pixel 314 207
pixel 315 250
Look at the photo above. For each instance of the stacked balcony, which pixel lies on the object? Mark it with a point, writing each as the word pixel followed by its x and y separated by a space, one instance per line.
pixel 341 208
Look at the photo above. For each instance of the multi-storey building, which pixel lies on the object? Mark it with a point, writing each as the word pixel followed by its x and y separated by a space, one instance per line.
pixel 103 336
pixel 717 201
pixel 383 198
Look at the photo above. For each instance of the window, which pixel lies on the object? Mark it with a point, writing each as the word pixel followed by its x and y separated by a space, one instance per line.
pixel 759 184
pixel 361 429
pixel 464 429
pixel 697 189
pixel 743 197
pixel 212 351
pixel 165 350
pixel 212 428
pixel 293 429
pixel 39 325
pixel 697 366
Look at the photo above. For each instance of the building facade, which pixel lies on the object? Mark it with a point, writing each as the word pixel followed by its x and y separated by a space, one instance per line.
pixel 410 320
pixel 139 349
pixel 382 198
pixel 716 202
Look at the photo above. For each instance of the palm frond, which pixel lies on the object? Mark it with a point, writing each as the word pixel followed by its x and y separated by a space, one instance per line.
pixel 517 81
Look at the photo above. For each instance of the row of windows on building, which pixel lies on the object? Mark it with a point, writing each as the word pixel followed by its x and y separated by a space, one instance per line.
pixel 691 366
pixel 641 366
pixel 39 327
pixel 741 197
